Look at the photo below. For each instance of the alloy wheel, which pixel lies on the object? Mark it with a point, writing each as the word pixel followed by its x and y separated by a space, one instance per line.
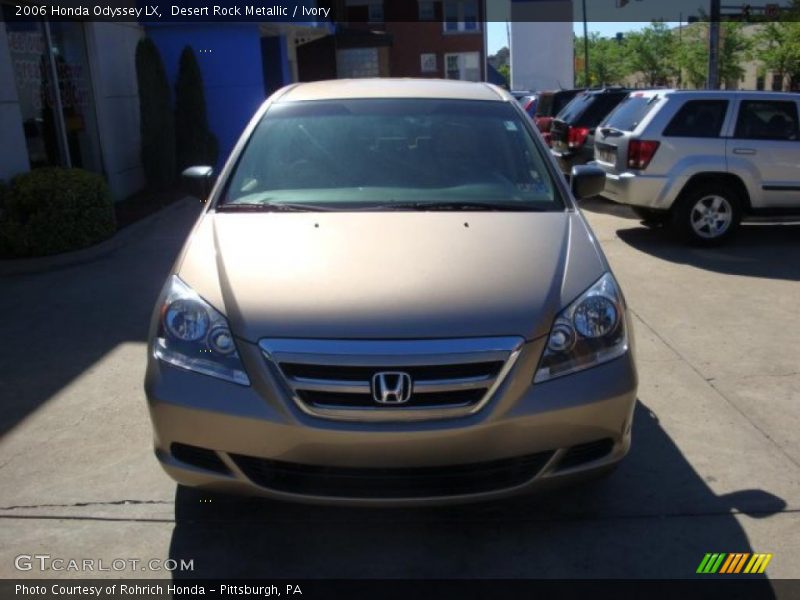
pixel 711 216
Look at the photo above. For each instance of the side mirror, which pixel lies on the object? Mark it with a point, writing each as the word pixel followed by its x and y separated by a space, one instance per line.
pixel 198 181
pixel 587 181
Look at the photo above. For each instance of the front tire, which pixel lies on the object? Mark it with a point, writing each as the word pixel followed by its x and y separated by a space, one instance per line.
pixel 707 215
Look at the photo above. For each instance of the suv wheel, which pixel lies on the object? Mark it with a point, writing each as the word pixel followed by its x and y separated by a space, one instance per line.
pixel 650 216
pixel 708 214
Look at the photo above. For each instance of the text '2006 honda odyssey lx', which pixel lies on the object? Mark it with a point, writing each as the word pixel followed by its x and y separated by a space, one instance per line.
pixel 390 298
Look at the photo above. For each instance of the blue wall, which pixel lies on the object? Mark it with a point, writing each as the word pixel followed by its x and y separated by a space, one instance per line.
pixel 232 67
pixel 275 55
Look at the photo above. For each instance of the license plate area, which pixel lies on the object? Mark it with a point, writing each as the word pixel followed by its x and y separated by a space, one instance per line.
pixel 606 154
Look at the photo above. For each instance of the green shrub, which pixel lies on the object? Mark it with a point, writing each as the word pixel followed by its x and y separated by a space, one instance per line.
pixel 194 142
pixel 156 117
pixel 46 211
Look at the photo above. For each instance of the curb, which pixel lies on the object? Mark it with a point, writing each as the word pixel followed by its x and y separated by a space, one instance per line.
pixel 43 264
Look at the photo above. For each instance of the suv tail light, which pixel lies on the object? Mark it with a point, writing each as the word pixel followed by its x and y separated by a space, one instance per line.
pixel 576 137
pixel 640 153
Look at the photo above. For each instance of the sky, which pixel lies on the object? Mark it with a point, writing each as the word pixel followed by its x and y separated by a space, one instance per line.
pixel 498 37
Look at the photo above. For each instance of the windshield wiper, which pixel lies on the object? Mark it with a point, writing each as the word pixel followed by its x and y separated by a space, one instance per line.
pixel 458 205
pixel 272 207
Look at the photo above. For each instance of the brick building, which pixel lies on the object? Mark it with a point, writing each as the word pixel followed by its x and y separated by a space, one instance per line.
pixel 400 38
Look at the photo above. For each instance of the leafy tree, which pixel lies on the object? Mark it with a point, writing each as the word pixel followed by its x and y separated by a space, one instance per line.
pixel 652 52
pixel 195 144
pixel 606 62
pixel 735 48
pixel 505 71
pixel 156 118
pixel 500 58
pixel 778 45
pixel 692 55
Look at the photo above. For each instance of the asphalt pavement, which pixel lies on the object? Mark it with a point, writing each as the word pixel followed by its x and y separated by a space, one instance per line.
pixel 715 463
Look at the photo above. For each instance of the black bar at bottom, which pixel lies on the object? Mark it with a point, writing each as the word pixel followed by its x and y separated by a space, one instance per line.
pixel 727 587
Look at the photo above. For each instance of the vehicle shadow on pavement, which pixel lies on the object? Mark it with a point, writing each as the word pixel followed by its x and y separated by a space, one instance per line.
pixel 67 320
pixel 769 251
pixel 654 517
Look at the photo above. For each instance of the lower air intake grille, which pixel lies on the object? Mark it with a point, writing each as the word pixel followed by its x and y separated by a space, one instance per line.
pixel 584 453
pixel 202 458
pixel 391 483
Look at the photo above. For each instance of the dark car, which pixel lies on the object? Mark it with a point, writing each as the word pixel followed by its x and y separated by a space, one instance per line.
pixel 549 105
pixel 572 131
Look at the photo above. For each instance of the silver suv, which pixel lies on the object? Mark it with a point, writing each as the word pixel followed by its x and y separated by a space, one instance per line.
pixel 702 160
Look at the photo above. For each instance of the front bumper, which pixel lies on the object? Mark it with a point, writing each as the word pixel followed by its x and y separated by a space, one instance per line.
pixel 259 443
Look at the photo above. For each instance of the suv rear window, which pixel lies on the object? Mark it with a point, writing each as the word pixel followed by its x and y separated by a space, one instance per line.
pixel 589 109
pixel 545 103
pixel 767 120
pixel 571 111
pixel 561 99
pixel 551 103
pixel 698 119
pixel 631 112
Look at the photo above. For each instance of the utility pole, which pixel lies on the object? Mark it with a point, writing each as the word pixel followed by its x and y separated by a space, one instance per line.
pixel 586 46
pixel 713 45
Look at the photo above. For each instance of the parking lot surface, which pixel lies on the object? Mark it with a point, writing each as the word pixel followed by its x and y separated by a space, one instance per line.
pixel 715 463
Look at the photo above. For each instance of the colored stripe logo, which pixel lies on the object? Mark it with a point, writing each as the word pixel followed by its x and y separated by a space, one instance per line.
pixel 734 563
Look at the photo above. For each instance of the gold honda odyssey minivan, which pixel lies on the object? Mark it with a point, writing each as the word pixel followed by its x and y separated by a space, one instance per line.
pixel 390 298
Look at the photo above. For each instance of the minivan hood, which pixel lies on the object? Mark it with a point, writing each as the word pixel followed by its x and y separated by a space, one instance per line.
pixel 391 275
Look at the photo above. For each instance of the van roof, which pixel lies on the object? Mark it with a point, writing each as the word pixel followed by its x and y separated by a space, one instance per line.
pixel 339 89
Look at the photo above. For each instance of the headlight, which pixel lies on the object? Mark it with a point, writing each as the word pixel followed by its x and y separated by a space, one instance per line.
pixel 193 335
pixel 590 331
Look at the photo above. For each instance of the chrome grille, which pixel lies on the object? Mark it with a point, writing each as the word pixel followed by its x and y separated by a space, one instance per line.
pixel 450 378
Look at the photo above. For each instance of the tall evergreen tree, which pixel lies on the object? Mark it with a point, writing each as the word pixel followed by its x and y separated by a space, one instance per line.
pixel 156 117
pixel 196 145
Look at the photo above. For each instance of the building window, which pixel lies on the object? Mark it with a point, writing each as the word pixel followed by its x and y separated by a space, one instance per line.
pixel 58 119
pixel 357 62
pixel 461 16
pixel 777 82
pixel 428 62
pixel 375 14
pixel 426 10
pixel 374 9
pixel 760 82
pixel 463 65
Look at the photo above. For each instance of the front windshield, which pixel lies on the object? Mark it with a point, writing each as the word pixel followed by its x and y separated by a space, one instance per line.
pixel 399 154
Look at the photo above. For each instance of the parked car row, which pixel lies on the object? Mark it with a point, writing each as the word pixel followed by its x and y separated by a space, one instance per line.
pixel 702 161
pixel 699 161
pixel 573 130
